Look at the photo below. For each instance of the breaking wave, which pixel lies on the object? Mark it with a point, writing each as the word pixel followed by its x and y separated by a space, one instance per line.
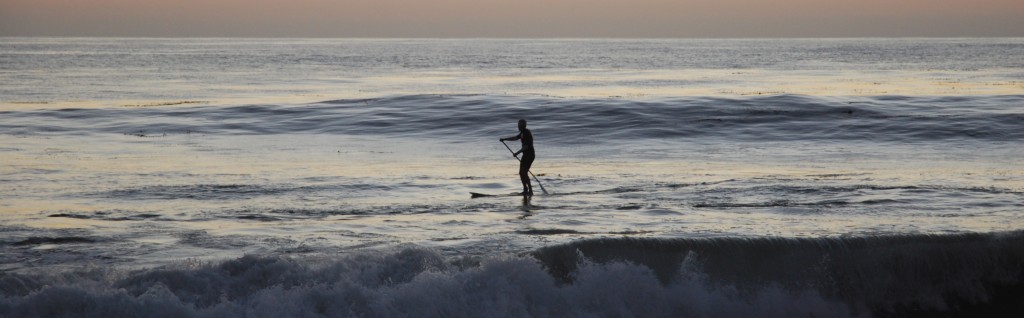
pixel 905 275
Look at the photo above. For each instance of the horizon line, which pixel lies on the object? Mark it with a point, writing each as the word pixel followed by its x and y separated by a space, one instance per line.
pixel 514 38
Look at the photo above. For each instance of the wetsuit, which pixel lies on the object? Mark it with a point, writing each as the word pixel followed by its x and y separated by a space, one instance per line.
pixel 527 160
pixel 528 155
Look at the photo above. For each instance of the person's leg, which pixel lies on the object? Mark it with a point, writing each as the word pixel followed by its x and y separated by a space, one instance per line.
pixel 525 178
pixel 524 173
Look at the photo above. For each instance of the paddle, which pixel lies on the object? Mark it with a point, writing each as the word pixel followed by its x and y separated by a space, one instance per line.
pixel 520 160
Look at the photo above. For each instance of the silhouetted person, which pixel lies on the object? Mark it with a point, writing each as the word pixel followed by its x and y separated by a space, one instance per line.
pixel 528 155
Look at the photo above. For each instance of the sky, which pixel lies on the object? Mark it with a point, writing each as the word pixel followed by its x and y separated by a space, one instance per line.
pixel 513 18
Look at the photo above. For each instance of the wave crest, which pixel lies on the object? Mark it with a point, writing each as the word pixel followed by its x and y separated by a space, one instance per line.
pixel 567 121
pixel 905 275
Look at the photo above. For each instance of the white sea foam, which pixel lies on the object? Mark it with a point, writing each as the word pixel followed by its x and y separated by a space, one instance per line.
pixel 406 284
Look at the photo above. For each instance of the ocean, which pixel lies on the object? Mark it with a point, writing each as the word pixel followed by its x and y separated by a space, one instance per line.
pixel 211 177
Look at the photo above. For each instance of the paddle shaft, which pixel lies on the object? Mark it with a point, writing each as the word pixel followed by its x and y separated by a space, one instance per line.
pixel 520 160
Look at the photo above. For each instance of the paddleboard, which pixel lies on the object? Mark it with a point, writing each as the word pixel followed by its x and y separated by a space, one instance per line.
pixel 618 190
pixel 486 195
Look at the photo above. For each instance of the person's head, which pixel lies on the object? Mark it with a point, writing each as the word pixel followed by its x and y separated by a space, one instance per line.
pixel 522 124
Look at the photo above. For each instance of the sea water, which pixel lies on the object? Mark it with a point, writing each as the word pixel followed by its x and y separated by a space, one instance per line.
pixel 331 177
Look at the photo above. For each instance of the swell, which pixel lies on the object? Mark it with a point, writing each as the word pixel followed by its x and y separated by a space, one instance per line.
pixel 470 117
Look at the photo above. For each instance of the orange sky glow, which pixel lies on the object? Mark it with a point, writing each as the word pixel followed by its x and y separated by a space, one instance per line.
pixel 513 18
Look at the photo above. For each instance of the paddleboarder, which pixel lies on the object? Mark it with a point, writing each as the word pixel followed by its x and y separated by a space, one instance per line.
pixel 528 155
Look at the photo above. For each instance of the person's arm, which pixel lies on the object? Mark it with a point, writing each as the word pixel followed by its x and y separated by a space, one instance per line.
pixel 516 137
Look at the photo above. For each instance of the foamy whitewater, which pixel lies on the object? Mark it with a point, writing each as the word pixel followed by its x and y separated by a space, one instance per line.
pixel 685 178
